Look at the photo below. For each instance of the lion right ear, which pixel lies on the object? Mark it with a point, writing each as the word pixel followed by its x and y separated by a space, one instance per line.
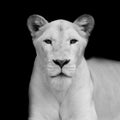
pixel 35 22
pixel 86 23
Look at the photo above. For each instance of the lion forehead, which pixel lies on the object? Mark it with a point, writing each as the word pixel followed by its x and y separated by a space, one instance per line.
pixel 61 30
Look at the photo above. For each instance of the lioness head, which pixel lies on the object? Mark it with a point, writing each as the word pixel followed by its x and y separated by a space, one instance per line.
pixel 60 44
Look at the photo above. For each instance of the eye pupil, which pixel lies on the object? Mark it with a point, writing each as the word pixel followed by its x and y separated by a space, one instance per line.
pixel 73 41
pixel 48 41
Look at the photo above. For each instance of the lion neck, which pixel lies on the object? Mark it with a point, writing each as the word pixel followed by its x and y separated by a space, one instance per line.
pixel 82 74
pixel 81 92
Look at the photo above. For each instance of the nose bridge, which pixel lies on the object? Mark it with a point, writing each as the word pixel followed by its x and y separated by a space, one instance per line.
pixel 62 47
pixel 59 50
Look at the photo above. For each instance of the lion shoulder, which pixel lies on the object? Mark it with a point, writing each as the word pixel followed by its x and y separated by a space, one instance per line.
pixel 109 69
pixel 106 78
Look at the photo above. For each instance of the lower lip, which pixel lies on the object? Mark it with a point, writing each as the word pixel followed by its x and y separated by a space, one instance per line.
pixel 60 75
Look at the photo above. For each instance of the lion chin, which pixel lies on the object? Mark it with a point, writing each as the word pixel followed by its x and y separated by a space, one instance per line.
pixel 61 83
pixel 61 79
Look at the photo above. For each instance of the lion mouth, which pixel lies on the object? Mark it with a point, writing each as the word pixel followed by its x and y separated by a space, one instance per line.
pixel 61 74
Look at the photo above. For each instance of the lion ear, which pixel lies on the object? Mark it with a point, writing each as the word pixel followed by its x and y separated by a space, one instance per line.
pixel 35 22
pixel 86 23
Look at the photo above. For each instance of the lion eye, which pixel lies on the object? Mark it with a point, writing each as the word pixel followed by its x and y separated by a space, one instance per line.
pixel 73 41
pixel 48 41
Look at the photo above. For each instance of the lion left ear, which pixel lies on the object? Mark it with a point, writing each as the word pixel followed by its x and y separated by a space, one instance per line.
pixel 35 22
pixel 86 23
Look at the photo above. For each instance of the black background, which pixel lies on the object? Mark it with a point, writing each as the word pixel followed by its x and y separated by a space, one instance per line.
pixel 104 41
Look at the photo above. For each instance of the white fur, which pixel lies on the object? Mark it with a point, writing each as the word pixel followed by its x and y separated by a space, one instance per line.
pixel 72 98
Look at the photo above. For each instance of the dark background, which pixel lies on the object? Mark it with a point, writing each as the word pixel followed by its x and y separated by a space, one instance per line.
pixel 104 41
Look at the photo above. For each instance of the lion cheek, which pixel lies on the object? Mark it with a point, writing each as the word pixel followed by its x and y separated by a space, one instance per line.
pixel 79 57
pixel 42 57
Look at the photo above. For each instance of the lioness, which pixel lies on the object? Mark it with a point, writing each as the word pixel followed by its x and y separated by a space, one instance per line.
pixel 63 85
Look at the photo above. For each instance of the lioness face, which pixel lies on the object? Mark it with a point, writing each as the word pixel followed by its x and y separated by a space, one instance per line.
pixel 60 44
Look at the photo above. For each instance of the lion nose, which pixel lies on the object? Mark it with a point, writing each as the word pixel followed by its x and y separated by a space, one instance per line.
pixel 61 63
